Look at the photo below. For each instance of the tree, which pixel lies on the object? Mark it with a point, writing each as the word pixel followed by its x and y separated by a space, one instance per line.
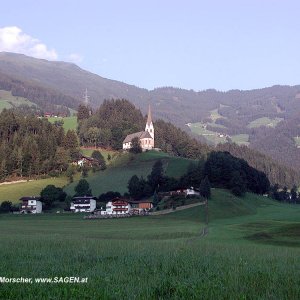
pixel 135 187
pixel 155 199
pixel 93 136
pixel 82 113
pixel 109 196
pixel 100 159
pixel 51 194
pixel 83 188
pixel 294 194
pixel 155 179
pixel 238 185
pixel 5 207
pixel 71 140
pixel 205 188
pixel 135 146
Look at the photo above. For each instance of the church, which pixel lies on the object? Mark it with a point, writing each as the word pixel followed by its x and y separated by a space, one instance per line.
pixel 146 137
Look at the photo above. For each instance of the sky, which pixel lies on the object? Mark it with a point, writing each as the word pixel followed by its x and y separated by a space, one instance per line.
pixel 232 44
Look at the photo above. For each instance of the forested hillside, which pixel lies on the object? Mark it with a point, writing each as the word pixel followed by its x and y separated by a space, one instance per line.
pixel 264 119
pixel 114 119
pixel 32 147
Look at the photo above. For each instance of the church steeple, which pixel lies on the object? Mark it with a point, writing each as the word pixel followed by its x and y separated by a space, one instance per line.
pixel 149 125
pixel 149 119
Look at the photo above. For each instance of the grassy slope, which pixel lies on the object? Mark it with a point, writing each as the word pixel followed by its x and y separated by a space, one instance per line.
pixel 7 100
pixel 124 167
pixel 155 257
pixel 264 121
pixel 69 122
pixel 88 152
pixel 13 192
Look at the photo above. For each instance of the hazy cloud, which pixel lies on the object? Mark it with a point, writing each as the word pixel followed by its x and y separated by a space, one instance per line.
pixel 13 39
pixel 75 58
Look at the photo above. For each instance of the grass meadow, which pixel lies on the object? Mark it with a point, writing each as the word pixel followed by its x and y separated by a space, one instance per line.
pixel 70 123
pixel 7 100
pixel 13 192
pixel 264 121
pixel 252 251
pixel 116 177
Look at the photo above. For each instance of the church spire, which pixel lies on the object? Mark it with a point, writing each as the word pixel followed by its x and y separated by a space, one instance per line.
pixel 149 119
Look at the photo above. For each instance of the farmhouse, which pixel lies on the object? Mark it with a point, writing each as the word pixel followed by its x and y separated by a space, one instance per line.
pixel 146 137
pixel 83 204
pixel 117 206
pixel 85 160
pixel 31 205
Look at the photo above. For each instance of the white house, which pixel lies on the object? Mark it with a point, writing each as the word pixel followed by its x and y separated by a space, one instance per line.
pixel 191 191
pixel 31 205
pixel 83 204
pixel 146 137
pixel 117 207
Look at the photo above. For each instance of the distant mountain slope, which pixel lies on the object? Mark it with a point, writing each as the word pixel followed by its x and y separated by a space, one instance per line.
pixel 261 118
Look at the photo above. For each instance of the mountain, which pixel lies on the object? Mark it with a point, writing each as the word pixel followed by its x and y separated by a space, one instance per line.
pixel 264 119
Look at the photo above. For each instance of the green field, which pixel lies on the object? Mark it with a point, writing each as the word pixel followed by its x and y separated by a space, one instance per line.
pixel 214 115
pixel 211 136
pixel 7 100
pixel 264 122
pixel 116 177
pixel 241 139
pixel 13 192
pixel 297 141
pixel 70 123
pixel 88 152
pixel 252 251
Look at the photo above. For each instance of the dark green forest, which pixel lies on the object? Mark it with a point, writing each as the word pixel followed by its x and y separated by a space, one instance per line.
pixel 30 146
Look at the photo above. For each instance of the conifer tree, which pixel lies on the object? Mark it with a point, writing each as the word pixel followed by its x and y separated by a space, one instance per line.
pixel 205 188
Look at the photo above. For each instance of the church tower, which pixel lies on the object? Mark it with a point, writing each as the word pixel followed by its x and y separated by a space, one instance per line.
pixel 149 125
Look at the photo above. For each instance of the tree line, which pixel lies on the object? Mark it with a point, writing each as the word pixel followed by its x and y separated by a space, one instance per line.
pixel 32 147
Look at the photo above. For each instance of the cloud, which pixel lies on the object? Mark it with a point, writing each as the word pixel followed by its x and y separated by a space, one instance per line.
pixel 13 39
pixel 75 58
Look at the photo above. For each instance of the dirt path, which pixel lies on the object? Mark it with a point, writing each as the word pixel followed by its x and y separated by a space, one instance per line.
pixel 13 182
pixel 179 208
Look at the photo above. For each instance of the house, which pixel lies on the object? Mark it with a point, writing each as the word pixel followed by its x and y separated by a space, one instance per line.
pixel 83 204
pixel 146 137
pixel 31 205
pixel 117 206
pixel 85 160
pixel 48 115
pixel 192 191
pixel 140 206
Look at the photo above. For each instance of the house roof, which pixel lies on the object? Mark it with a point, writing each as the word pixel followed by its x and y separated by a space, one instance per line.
pixel 140 201
pixel 140 135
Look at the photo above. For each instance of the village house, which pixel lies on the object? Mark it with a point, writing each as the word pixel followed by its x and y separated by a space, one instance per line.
pixel 146 137
pixel 31 205
pixel 117 207
pixel 192 191
pixel 141 206
pixel 83 204
pixel 85 160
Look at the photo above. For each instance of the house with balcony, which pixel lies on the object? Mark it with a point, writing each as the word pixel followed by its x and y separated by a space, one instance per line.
pixel 117 206
pixel 83 204
pixel 31 205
